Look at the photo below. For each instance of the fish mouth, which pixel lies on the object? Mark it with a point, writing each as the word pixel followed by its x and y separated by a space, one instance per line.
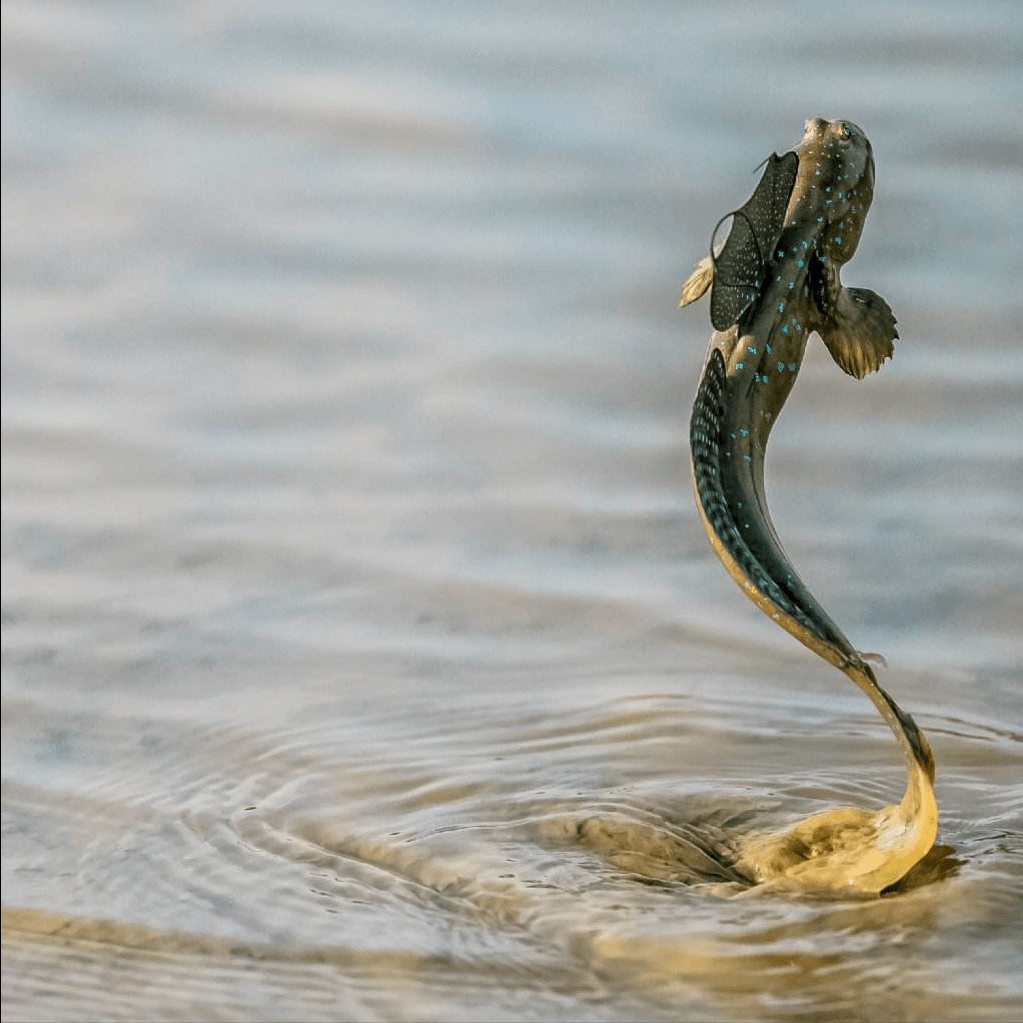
pixel 840 129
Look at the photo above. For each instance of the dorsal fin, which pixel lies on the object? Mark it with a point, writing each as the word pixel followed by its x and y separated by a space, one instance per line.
pixel 756 226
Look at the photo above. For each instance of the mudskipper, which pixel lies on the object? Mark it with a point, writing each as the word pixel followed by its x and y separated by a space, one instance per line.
pixel 773 282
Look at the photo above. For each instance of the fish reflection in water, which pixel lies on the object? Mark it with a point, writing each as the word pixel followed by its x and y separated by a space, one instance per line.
pixel 773 282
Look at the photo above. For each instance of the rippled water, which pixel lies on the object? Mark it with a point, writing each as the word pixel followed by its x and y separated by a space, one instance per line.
pixel 363 656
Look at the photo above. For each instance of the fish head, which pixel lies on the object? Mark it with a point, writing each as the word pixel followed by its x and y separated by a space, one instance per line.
pixel 834 186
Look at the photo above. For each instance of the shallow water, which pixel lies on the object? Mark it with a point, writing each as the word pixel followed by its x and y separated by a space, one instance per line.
pixel 363 656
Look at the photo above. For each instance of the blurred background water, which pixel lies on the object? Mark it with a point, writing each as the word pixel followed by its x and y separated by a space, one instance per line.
pixel 363 657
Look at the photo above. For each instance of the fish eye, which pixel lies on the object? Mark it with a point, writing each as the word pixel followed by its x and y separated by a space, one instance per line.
pixel 806 126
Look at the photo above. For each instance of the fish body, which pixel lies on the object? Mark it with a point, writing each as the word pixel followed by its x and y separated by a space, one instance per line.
pixel 774 281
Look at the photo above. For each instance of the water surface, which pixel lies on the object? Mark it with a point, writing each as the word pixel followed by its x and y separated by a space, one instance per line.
pixel 363 656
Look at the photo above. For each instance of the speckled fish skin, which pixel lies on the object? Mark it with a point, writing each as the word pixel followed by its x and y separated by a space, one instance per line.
pixel 752 365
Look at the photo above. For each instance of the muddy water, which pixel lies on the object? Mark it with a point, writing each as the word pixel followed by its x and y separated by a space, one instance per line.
pixel 363 657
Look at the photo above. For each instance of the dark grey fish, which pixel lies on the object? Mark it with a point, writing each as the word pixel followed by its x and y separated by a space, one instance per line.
pixel 773 282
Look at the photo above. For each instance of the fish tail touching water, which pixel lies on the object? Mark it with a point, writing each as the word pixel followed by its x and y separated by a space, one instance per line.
pixel 774 281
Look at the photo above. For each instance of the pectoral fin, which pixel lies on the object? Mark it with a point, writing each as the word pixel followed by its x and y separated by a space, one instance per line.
pixel 860 331
pixel 698 281
pixel 738 272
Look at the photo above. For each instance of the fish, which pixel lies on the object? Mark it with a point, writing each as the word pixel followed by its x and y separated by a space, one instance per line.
pixel 773 282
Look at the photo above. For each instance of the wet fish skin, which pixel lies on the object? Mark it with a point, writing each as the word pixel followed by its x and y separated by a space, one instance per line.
pixel 774 281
